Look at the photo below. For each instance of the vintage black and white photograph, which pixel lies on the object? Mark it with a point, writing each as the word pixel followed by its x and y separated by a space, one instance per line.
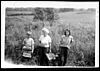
pixel 61 35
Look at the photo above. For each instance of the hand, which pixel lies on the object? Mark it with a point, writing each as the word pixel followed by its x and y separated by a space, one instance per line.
pixel 68 46
pixel 32 50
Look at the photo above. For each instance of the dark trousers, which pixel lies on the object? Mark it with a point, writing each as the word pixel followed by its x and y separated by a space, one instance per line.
pixel 25 59
pixel 43 60
pixel 63 55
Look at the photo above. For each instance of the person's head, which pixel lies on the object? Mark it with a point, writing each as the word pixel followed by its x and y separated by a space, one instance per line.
pixel 67 32
pixel 29 34
pixel 45 31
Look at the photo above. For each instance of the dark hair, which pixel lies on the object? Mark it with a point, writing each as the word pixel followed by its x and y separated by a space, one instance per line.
pixel 68 31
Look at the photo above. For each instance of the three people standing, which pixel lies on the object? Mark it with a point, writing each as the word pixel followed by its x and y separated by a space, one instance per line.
pixel 45 45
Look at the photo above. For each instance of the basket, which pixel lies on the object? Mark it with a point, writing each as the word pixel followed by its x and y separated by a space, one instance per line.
pixel 27 54
pixel 50 56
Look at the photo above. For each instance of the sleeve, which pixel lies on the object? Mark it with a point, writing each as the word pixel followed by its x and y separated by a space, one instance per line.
pixel 49 39
pixel 40 37
pixel 62 36
pixel 71 37
pixel 24 41
pixel 71 40
pixel 32 41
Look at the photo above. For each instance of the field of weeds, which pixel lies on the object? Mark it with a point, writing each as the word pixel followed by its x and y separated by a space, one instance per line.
pixel 80 23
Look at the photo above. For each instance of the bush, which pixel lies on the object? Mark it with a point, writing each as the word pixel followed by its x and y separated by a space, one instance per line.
pixel 46 14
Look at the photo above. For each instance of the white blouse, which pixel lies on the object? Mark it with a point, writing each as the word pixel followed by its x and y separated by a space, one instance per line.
pixel 45 40
pixel 66 41
pixel 29 43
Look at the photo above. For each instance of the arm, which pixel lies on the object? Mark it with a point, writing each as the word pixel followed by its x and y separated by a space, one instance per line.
pixel 23 43
pixel 50 43
pixel 50 46
pixel 70 42
pixel 32 43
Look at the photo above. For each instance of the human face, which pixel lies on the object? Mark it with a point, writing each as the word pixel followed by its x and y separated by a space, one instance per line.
pixel 67 33
pixel 44 33
pixel 28 35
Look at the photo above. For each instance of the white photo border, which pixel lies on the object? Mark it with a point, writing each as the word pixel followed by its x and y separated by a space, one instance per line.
pixel 54 4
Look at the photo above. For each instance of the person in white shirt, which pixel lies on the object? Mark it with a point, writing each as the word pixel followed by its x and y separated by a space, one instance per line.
pixel 45 39
pixel 28 44
pixel 45 46
pixel 65 44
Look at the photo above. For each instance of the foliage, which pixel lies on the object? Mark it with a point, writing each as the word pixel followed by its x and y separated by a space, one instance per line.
pixel 45 14
pixel 82 26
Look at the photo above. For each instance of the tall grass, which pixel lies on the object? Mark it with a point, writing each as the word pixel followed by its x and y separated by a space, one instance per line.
pixel 82 26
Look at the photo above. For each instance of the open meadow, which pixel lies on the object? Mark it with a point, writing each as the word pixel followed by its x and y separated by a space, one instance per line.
pixel 80 23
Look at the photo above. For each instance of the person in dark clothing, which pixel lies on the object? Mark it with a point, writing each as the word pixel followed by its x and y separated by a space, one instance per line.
pixel 65 44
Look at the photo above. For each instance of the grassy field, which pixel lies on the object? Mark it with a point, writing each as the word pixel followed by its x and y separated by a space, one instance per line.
pixel 81 24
